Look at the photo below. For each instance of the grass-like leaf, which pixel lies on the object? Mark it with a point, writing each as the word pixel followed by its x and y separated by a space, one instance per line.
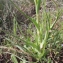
pixel 14 58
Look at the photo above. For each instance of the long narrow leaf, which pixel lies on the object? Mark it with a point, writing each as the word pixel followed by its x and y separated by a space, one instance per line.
pixel 30 18
pixel 59 12
pixel 14 59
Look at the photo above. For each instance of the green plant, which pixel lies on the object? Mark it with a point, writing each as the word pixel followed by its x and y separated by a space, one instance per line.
pixel 14 59
pixel 41 35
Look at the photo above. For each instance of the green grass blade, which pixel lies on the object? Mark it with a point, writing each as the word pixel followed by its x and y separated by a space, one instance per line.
pixel 14 26
pixel 10 41
pixel 44 41
pixel 59 12
pixel 14 58
pixel 37 4
pixel 30 18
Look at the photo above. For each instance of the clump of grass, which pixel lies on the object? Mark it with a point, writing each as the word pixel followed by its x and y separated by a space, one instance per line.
pixel 36 47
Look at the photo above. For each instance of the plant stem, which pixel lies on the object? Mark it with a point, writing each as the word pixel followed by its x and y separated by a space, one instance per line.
pixel 37 20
